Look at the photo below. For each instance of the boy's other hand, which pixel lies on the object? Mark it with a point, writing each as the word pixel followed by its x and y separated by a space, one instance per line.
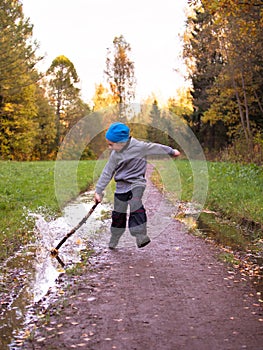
pixel 176 153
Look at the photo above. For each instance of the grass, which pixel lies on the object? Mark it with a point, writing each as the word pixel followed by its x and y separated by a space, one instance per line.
pixel 234 190
pixel 30 187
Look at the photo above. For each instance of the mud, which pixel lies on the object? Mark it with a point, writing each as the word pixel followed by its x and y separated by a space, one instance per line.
pixel 173 294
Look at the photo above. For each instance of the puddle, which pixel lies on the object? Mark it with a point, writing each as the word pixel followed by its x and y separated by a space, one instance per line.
pixel 26 277
pixel 239 242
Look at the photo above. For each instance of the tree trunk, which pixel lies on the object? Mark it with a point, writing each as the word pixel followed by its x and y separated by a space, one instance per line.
pixel 259 103
pixel 241 113
pixel 246 107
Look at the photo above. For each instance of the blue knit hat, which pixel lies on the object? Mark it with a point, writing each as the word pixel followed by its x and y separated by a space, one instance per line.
pixel 118 132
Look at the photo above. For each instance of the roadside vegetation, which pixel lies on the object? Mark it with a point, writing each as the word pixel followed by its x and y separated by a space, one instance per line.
pixel 29 187
pixel 234 192
pixel 233 211
pixel 232 217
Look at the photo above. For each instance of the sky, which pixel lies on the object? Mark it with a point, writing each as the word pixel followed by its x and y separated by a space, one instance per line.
pixel 82 30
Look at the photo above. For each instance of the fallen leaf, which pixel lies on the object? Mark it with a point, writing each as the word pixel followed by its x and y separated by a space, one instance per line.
pixel 78 241
pixel 61 270
pixel 91 299
pixel 26 334
pixel 41 339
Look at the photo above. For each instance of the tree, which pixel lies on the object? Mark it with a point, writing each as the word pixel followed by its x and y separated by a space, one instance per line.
pixel 155 121
pixel 44 146
pixel 63 92
pixel 18 125
pixel 103 98
pixel 182 104
pixel 120 73
pixel 17 49
pixel 157 125
pixel 224 50
pixel 240 81
pixel 205 62
pixel 17 83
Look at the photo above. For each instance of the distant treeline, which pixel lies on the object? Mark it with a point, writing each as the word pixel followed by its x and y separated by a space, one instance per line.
pixel 222 49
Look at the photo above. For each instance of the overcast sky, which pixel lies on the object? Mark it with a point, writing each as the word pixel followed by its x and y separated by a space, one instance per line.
pixel 82 30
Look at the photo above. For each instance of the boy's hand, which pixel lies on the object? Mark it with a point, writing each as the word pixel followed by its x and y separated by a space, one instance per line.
pixel 97 198
pixel 176 153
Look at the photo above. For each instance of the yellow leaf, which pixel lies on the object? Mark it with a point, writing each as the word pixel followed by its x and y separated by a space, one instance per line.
pixel 26 334
pixel 78 241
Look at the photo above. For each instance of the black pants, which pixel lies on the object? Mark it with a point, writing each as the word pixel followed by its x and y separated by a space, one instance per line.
pixel 137 219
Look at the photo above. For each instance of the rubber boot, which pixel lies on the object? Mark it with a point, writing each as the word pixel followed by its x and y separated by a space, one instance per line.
pixel 142 240
pixel 114 240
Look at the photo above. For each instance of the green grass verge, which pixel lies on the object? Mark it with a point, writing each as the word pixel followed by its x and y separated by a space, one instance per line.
pixel 235 192
pixel 30 186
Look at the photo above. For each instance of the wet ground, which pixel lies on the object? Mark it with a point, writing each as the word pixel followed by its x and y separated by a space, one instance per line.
pixel 173 294
pixel 26 277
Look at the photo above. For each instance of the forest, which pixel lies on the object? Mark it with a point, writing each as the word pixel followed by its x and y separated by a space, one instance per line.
pixel 223 53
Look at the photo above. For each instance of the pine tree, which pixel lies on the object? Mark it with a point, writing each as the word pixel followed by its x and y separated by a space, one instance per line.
pixel 63 93
pixel 17 49
pixel 17 83
pixel 44 147
pixel 157 125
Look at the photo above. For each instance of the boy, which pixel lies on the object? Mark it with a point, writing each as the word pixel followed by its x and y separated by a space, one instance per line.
pixel 127 163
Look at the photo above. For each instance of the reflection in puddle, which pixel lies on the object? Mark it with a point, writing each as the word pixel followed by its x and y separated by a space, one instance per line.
pixel 26 277
pixel 235 239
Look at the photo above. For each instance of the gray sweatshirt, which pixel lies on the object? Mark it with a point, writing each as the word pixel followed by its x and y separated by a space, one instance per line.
pixel 129 165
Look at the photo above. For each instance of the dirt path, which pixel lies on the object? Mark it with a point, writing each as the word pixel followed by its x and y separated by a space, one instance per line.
pixel 173 294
